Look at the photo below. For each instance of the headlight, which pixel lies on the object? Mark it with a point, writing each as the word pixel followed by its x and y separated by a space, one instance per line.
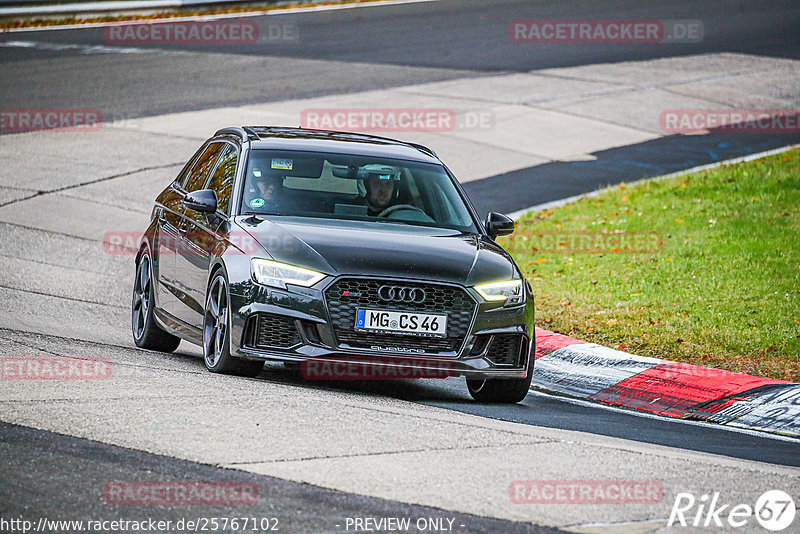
pixel 276 274
pixel 510 292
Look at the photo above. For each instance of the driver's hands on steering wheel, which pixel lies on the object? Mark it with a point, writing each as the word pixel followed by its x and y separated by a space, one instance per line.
pixel 399 207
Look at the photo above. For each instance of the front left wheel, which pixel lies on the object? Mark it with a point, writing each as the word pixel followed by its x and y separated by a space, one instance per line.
pixel 146 333
pixel 216 333
pixel 501 390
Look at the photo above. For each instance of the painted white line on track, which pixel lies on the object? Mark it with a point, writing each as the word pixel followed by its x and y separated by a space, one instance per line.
pixel 637 413
pixel 221 16
pixel 81 48
pixel 606 527
pixel 569 200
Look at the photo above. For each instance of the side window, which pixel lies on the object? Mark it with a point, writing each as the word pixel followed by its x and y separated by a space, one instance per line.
pixel 180 181
pixel 202 168
pixel 222 180
pixel 187 169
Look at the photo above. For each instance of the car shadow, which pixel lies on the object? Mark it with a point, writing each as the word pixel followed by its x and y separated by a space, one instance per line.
pixel 548 411
pixel 416 390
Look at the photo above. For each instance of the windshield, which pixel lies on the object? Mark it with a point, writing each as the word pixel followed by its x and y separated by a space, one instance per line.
pixel 360 188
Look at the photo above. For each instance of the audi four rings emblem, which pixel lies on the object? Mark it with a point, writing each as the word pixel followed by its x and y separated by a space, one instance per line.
pixel 411 295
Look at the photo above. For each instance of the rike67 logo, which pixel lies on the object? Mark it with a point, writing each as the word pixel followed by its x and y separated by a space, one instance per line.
pixel 774 510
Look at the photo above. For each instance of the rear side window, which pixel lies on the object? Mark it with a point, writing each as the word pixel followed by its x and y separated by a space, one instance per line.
pixel 187 169
pixel 198 176
pixel 222 180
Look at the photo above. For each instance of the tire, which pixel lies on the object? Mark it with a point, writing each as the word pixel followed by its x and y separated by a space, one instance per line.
pixel 501 390
pixel 216 333
pixel 146 333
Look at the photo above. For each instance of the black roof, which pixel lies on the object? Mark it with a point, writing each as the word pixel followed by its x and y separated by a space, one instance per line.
pixel 282 138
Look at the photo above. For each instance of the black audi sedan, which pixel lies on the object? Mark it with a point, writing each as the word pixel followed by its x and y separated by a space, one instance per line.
pixel 302 246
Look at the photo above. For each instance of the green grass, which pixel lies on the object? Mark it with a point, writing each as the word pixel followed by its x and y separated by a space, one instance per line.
pixel 721 289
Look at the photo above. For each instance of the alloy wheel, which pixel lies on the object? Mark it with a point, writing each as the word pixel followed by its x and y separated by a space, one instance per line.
pixel 141 297
pixel 215 324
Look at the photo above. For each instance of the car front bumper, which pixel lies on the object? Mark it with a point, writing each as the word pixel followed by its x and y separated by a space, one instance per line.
pixel 309 329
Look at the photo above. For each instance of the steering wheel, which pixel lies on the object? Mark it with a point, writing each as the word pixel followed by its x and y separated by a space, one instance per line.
pixel 399 207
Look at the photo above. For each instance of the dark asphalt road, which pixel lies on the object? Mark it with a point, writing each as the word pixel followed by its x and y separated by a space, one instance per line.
pixel 367 48
pixel 49 475
pixel 562 179
pixel 371 48
pixel 57 477
pixel 554 412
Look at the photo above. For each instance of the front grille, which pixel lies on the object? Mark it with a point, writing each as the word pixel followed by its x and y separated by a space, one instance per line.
pixel 505 349
pixel 362 293
pixel 266 330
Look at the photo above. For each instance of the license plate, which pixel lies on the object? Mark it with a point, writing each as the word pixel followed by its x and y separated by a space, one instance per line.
pixel 400 322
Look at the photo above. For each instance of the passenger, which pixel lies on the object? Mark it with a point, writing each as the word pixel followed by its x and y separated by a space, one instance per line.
pixel 263 190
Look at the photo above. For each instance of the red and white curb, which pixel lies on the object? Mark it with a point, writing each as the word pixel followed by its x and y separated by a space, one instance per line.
pixel 573 367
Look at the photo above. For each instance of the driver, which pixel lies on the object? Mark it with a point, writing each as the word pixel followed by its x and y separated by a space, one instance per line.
pixel 382 183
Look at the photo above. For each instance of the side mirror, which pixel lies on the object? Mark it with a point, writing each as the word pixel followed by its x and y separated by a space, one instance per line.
pixel 204 200
pixel 498 224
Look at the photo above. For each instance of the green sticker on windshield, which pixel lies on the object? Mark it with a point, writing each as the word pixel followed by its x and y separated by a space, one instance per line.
pixel 256 202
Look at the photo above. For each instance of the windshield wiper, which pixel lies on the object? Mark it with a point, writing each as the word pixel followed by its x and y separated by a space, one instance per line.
pixel 396 221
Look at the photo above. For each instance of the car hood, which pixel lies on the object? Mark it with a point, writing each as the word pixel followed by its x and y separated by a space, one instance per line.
pixel 381 249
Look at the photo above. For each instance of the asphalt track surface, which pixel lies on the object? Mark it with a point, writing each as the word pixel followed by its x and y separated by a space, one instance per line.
pixel 352 50
pixel 62 477
pixel 366 48
pixel 349 50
